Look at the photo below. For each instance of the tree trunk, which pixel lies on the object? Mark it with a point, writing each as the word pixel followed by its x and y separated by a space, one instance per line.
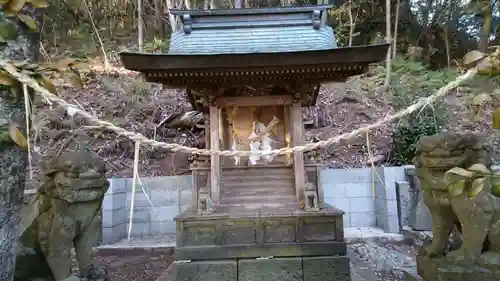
pixel 13 160
pixel 447 45
pixel 352 23
pixel 140 26
pixel 484 34
pixel 388 40
pixel 396 23
pixel 160 25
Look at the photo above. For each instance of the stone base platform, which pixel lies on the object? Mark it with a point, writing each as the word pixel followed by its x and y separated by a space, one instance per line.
pixel 437 269
pixel 248 246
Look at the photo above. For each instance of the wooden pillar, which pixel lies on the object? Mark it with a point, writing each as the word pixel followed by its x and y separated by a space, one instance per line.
pixel 288 133
pixel 298 157
pixel 214 159
pixel 207 130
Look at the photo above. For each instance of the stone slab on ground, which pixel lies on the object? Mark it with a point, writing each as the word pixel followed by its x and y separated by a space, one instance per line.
pixel 354 234
pixel 221 270
pixel 277 269
pixel 326 268
pixel 374 255
pixel 160 241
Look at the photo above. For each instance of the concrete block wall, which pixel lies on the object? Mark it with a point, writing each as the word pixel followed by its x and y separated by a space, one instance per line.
pixel 157 201
pixel 386 200
pixel 351 190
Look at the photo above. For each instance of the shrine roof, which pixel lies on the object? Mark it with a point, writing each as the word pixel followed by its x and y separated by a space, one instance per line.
pixel 214 49
pixel 244 31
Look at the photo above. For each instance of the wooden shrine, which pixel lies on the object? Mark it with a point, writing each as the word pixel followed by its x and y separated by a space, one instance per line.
pixel 251 71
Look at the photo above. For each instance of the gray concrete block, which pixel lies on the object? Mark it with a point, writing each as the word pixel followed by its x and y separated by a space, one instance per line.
pixel 114 201
pixel 333 190
pixel 184 182
pixel 390 191
pixel 139 229
pixel 110 235
pixel 113 218
pixel 346 175
pixel 378 174
pixel 140 214
pixel 380 191
pixel 366 204
pixel 342 203
pixel 164 183
pixel 388 223
pixel 164 213
pixel 185 196
pixel 117 185
pixel 363 219
pixel 381 221
pixel 184 208
pixel 392 224
pixel 162 227
pixel 326 268
pixel 277 269
pixel 161 197
pixel 381 206
pixel 140 200
pixel 392 206
pixel 220 270
pixel 362 189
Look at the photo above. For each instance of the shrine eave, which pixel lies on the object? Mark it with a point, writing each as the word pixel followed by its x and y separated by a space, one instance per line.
pixel 319 66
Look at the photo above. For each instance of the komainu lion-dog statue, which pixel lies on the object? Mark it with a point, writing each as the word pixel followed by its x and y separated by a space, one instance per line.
pixel 476 218
pixel 65 213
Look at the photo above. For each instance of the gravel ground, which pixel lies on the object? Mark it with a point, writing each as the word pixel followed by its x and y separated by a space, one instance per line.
pixel 147 259
pixel 135 264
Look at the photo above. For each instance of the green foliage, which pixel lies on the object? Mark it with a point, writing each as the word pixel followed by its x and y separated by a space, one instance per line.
pixel 157 45
pixel 406 136
pixel 411 80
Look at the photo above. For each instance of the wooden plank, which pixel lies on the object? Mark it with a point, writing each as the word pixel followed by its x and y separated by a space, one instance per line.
pixel 214 159
pixel 254 101
pixel 298 157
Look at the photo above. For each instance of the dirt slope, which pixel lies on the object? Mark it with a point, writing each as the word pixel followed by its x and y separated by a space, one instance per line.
pixel 127 101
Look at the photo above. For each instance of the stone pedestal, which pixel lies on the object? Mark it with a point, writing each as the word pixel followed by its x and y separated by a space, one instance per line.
pixel 286 245
pixel 437 269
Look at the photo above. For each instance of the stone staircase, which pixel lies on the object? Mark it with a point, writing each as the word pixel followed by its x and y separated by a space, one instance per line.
pixel 257 188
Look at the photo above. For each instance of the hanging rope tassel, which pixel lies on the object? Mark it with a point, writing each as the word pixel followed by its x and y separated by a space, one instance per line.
pixel 134 184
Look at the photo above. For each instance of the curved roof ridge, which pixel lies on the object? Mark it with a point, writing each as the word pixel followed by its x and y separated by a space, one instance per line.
pixel 252 31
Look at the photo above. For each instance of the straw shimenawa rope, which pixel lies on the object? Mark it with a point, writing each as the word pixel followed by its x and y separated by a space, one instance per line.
pixel 282 151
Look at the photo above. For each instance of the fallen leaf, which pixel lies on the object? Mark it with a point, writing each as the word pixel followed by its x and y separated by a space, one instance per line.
pixel 28 21
pixel 17 136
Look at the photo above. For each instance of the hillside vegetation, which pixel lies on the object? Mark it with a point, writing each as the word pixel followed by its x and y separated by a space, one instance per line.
pixel 441 32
